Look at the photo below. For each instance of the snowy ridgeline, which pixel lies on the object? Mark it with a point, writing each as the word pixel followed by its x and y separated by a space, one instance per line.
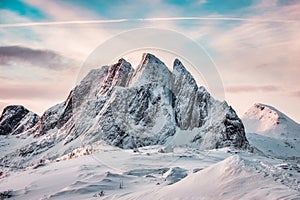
pixel 148 133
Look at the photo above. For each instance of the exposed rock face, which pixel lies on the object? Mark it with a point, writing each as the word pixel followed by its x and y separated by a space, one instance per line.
pixel 135 117
pixel 185 90
pixel 196 109
pixel 15 119
pixel 118 75
pixel 48 120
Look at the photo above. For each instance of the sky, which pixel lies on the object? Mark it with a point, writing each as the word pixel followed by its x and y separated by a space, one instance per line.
pixel 254 45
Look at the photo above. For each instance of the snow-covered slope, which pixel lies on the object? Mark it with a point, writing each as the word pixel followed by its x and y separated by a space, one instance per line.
pixel 151 70
pixel 272 132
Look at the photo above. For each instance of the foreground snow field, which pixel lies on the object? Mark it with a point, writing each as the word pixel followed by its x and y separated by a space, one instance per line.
pixel 184 173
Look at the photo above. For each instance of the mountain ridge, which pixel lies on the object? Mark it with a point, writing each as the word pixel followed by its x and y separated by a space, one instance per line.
pixel 131 108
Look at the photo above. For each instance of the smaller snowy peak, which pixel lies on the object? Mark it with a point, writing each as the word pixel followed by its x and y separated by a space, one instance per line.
pixel 182 77
pixel 151 70
pixel 48 120
pixel 272 132
pixel 16 119
pixel 179 68
pixel 26 123
pixel 269 121
pixel 264 113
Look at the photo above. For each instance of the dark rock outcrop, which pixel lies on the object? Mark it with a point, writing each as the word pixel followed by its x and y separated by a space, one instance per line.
pixel 16 119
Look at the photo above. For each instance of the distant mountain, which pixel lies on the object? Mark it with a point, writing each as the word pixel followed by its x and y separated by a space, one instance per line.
pixel 272 131
pixel 131 108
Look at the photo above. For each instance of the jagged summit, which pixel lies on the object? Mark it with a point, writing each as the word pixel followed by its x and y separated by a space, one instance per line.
pixel 150 58
pixel 151 70
pixel 118 75
pixel 181 74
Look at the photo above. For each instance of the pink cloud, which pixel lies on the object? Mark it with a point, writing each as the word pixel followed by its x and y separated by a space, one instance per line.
pixel 296 94
pixel 31 91
pixel 250 88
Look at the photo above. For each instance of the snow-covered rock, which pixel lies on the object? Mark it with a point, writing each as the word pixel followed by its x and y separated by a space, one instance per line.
pixel 217 123
pixel 155 103
pixel 185 90
pixel 15 119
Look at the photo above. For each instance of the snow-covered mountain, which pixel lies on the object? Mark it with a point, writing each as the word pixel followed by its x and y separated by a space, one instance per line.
pixel 272 132
pixel 131 108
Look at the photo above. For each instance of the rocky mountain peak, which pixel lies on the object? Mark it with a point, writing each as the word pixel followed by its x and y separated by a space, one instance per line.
pixel 16 119
pixel 151 70
pixel 182 78
pixel 150 58
pixel 179 68
pixel 118 75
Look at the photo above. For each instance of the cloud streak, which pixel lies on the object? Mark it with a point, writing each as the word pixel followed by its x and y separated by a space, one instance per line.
pixel 250 88
pixel 145 19
pixel 12 55
pixel 296 94
pixel 29 91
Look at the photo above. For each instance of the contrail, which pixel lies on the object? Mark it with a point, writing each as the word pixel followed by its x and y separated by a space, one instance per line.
pixel 144 19
pixel 62 23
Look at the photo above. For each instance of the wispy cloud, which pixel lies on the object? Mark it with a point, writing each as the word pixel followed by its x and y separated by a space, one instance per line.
pixel 250 88
pixel 30 91
pixel 146 20
pixel 295 94
pixel 18 55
